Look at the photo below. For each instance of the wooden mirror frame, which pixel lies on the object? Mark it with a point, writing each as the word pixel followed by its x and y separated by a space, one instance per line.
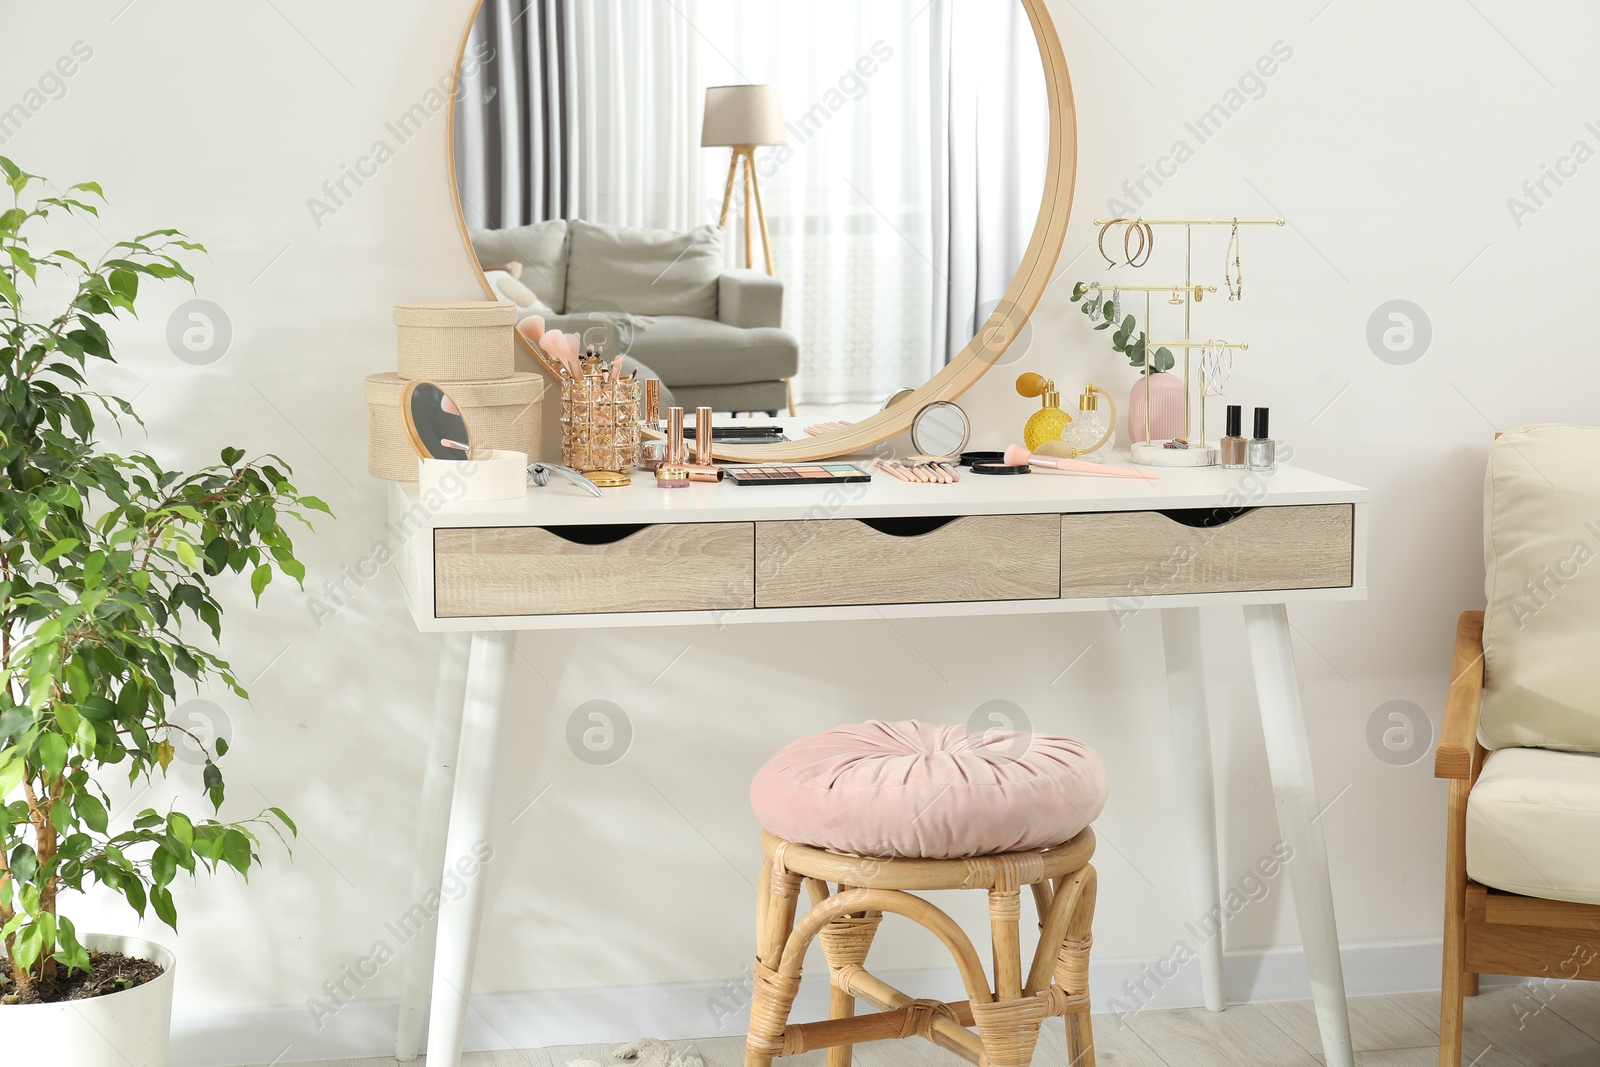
pixel 1003 326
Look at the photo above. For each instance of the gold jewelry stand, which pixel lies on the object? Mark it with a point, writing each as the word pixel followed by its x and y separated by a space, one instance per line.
pixel 1190 293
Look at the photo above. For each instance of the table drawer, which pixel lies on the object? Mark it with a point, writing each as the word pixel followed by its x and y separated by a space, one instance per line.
pixel 824 562
pixel 571 570
pixel 1152 553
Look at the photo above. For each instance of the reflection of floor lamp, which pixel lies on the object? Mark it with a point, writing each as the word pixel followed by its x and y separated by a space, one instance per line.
pixel 743 117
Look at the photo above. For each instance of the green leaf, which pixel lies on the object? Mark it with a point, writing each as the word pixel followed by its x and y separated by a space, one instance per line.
pixel 91 811
pixel 163 866
pixel 259 580
pixel 53 751
pixel 57 550
pixel 285 820
pixel 179 826
pixel 185 552
pixel 161 900
pixel 236 851
pixel 12 769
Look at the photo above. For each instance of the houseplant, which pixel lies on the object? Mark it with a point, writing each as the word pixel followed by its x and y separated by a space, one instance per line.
pixel 106 566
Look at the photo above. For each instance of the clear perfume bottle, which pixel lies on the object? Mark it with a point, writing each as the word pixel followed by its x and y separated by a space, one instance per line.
pixel 1085 433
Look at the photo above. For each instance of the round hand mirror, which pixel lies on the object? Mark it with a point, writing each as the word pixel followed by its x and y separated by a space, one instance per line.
pixel 434 423
pixel 940 429
pixel 799 239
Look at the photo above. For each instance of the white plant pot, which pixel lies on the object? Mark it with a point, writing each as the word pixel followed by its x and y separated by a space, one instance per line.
pixel 127 1029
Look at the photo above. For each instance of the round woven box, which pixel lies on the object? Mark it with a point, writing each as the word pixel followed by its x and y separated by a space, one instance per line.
pixel 465 341
pixel 503 414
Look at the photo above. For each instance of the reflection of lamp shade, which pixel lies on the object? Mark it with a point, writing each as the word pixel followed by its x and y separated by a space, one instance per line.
pixel 742 114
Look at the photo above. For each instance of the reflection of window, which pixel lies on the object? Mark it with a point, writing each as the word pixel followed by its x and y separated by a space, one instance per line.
pixel 898 210
pixel 907 193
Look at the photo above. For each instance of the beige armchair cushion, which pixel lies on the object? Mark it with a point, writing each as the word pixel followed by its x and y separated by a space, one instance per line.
pixel 643 272
pixel 541 249
pixel 1541 634
pixel 1532 823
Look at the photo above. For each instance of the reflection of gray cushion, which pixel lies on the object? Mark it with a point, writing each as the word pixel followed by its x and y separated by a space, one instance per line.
pixel 692 351
pixel 644 272
pixel 540 248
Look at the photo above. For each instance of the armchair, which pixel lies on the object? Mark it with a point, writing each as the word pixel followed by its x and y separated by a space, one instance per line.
pixel 1521 721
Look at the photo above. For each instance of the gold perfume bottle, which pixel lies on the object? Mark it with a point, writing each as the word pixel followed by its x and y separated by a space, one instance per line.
pixel 1049 422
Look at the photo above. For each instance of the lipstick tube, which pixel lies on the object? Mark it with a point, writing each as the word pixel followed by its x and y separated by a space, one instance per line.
pixel 702 437
pixel 652 402
pixel 675 437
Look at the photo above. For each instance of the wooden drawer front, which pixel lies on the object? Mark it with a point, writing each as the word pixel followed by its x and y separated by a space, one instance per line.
pixel 574 570
pixel 1146 553
pixel 822 562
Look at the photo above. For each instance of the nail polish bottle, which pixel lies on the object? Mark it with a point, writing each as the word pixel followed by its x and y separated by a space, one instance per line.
pixel 1263 450
pixel 1233 445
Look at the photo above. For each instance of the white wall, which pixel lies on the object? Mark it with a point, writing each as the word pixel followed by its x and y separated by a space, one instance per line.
pixel 1391 139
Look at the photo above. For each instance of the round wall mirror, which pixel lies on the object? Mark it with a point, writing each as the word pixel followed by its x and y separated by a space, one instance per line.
pixel 779 208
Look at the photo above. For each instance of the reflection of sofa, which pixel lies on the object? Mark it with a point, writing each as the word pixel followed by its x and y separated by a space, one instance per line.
pixel 662 297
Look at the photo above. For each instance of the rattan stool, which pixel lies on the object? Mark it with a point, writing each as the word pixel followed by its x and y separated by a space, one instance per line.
pixel 1007 1018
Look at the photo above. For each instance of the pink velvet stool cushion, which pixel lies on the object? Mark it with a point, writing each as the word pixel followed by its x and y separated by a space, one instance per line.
pixel 919 790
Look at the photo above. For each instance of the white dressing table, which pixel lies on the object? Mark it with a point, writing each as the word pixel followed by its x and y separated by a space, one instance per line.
pixel 887 549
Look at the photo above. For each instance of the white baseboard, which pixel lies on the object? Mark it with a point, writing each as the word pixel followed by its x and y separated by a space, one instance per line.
pixel 706 1010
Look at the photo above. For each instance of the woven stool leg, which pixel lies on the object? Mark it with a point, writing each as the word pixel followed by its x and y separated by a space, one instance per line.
pixel 1009 1027
pixel 1072 973
pixel 773 994
pixel 845 942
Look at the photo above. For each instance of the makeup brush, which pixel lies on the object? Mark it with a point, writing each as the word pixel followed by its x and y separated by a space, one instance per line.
pixel 1017 456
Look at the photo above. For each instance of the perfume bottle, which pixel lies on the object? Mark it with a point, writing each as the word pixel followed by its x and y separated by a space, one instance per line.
pixel 1233 445
pixel 1263 451
pixel 1087 434
pixel 1049 423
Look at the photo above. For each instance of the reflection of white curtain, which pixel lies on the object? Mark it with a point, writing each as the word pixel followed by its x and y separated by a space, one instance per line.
pixel 639 104
pixel 991 148
pixel 581 109
pixel 849 199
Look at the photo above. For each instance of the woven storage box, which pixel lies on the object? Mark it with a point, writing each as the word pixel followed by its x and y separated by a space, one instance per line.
pixel 468 341
pixel 503 413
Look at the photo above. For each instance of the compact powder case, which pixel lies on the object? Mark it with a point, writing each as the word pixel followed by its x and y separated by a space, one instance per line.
pixel 982 467
pixel 969 458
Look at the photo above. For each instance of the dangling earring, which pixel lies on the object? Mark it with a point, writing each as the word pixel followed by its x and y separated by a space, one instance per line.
pixel 1116 306
pixel 1176 297
pixel 1232 272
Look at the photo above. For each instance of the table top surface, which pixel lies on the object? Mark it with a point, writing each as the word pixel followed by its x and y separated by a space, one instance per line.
pixel 563 504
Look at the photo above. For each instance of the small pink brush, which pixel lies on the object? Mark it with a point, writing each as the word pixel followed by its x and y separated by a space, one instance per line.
pixel 1016 456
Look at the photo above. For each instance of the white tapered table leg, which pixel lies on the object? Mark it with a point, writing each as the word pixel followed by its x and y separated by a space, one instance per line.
pixel 469 840
pixel 1197 819
pixel 437 781
pixel 1289 761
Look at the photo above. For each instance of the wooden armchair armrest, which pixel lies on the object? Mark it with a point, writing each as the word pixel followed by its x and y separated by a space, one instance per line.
pixel 1458 738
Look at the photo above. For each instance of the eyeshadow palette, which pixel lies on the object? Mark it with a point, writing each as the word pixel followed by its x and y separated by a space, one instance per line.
pixel 798 474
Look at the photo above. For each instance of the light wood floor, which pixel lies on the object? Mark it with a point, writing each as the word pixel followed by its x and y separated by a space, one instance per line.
pixel 1549 1025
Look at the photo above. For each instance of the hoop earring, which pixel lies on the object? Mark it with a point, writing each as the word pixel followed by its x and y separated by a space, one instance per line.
pixel 1216 364
pixel 1147 243
pixel 1102 242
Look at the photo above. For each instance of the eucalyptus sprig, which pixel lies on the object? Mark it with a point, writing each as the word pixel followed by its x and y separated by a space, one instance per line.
pixel 1124 340
pixel 106 561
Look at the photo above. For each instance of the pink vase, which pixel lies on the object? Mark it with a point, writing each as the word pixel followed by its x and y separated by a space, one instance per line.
pixel 1166 407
